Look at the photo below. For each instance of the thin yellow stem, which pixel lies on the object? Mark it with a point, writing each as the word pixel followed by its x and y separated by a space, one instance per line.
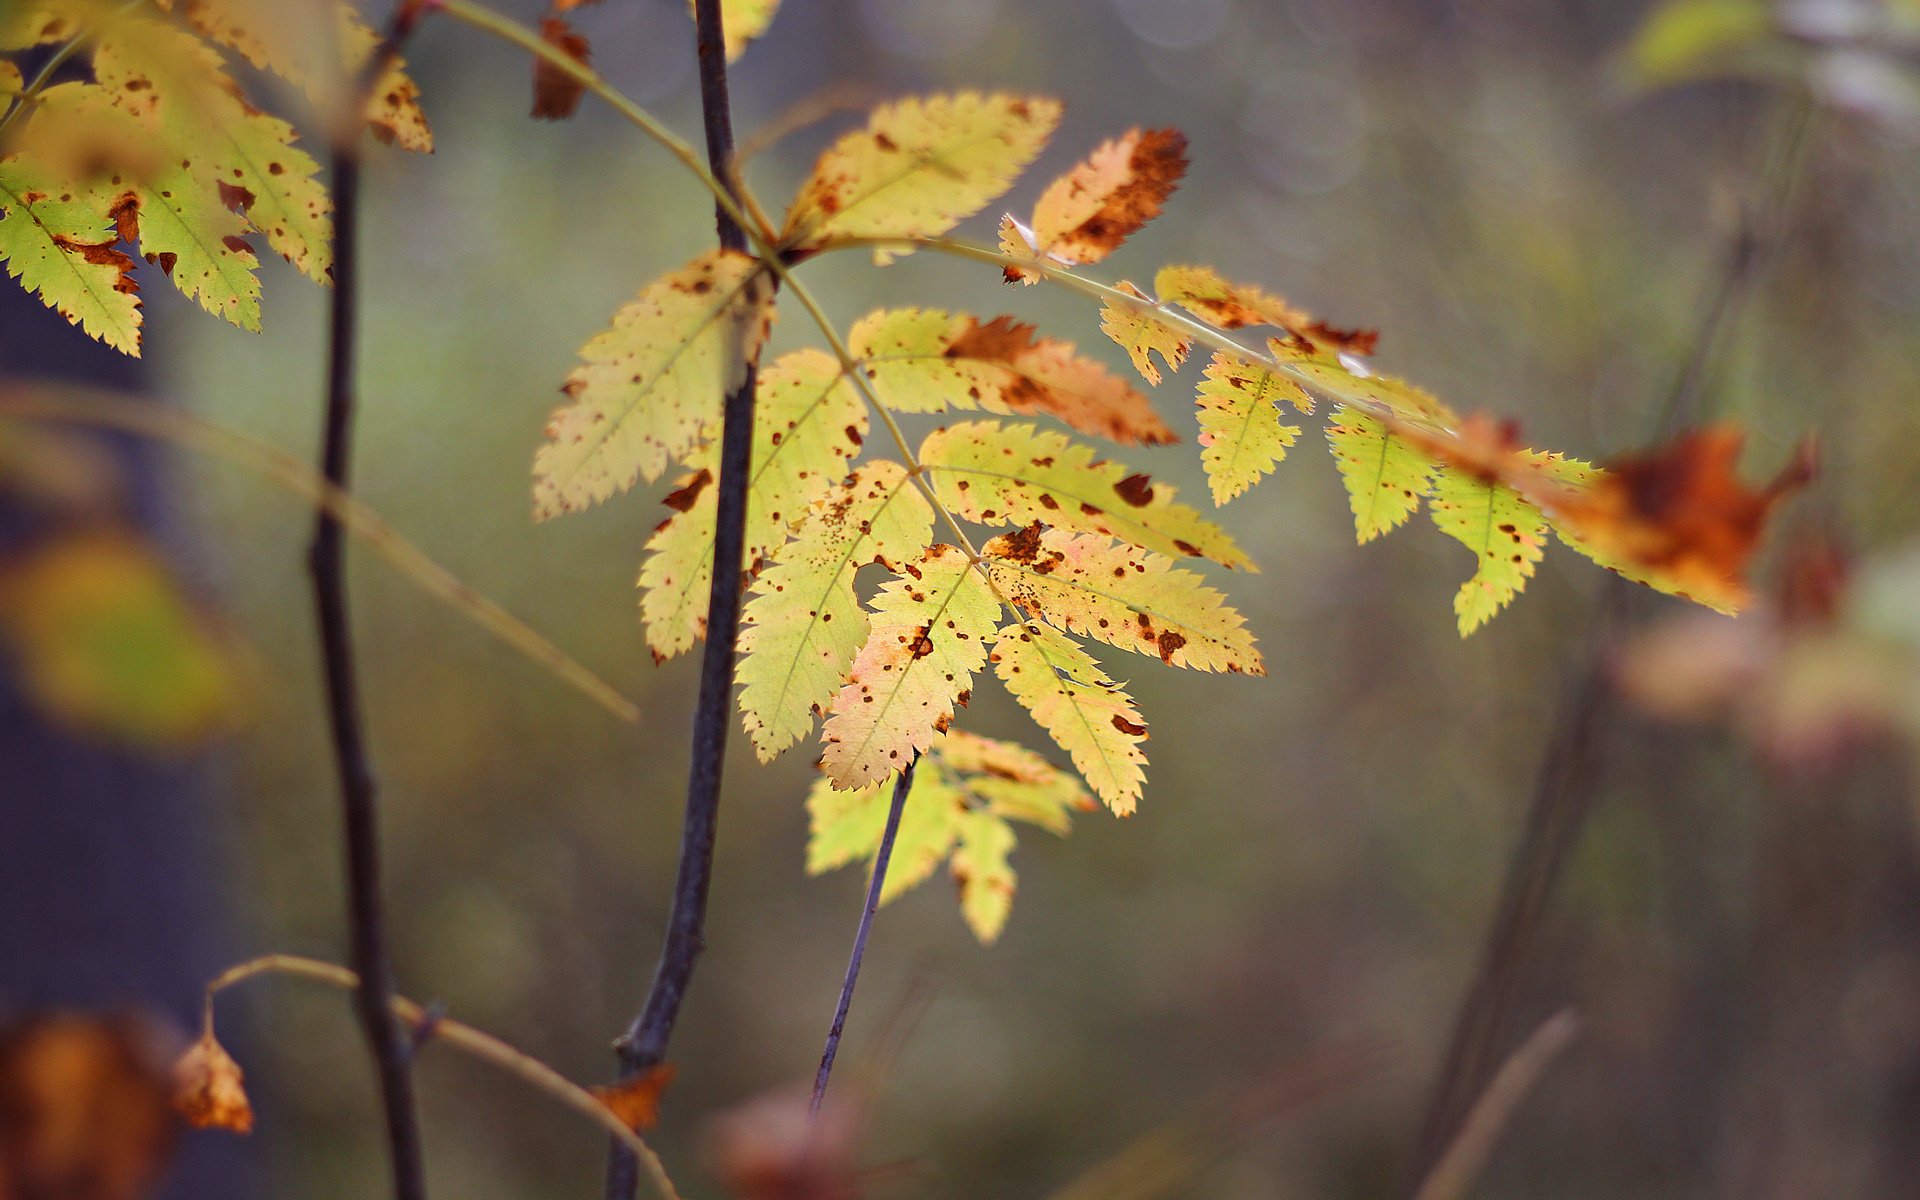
pixel 144 419
pixel 461 1036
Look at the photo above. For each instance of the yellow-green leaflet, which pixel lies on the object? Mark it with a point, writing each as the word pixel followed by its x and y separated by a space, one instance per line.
pixel 803 624
pixel 1086 713
pixel 1384 476
pixel 649 389
pixel 1121 595
pixel 1506 534
pixel 1017 474
pixel 929 635
pixel 1241 435
pixel 62 250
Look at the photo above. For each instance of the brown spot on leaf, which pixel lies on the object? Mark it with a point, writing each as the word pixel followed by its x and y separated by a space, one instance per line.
pixel 1136 490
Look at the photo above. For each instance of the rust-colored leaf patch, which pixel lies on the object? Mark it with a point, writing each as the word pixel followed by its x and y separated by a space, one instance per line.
pixel 1087 213
pixel 636 1101
pixel 556 94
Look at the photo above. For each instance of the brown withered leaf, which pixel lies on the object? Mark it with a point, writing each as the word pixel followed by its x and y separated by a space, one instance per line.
pixel 556 95
pixel 84 1107
pixel 772 1148
pixel 636 1101
pixel 1086 214
pixel 208 1088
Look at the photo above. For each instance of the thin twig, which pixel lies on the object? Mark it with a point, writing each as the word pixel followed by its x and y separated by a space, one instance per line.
pixel 1570 773
pixel 1462 1160
pixel 326 559
pixel 874 887
pixel 645 1042
pixel 431 1026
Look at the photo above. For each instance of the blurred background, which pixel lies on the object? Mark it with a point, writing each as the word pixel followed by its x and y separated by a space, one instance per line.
pixel 1302 899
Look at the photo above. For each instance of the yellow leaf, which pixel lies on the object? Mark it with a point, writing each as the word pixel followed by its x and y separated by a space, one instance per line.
pixel 808 423
pixel 1087 213
pixel 649 389
pixel 925 360
pixel 930 631
pixel 1141 334
pixel 918 168
pixel 985 877
pixel 1241 435
pixel 59 244
pixel 1016 474
pixel 1506 534
pixel 803 624
pixel 1086 713
pixel 847 826
pixel 1202 292
pixel 1384 475
pixel 1346 378
pixel 1121 595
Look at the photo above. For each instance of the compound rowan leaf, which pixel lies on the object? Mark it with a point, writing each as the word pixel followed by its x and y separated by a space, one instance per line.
pixel 1241 434
pixel 1085 712
pixel 967 791
pixel 1122 595
pixel 1142 334
pixel 1086 214
pixel 1385 476
pixel 919 167
pixel 1016 474
pixel 742 21
pixel 926 360
pixel 58 243
pixel 929 635
pixel 803 624
pixel 177 86
pixel 649 388
pixel 1202 292
pixel 808 424
pixel 1506 533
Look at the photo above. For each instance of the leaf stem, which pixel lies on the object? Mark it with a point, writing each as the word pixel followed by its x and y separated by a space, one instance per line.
pixel 645 1042
pixel 461 1036
pixel 875 886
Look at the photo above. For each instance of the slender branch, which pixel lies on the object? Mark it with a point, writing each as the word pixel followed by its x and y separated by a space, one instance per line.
pixel 645 1042
pixel 326 559
pixel 874 887
pixel 1462 1160
pixel 430 1028
pixel 1570 773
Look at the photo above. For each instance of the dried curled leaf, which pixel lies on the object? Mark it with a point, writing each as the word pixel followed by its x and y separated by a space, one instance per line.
pixel 1241 434
pixel 1017 474
pixel 1086 214
pixel 1142 334
pixel 649 389
pixel 1085 712
pixel 1122 595
pixel 926 360
pixel 808 423
pixel 967 791
pixel 803 624
pixel 556 94
pixel 918 168
pixel 929 635
pixel 209 1088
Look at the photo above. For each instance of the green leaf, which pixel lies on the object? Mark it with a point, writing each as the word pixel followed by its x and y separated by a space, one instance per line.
pixel 58 242
pixel 1241 435
pixel 1384 476
pixel 1506 534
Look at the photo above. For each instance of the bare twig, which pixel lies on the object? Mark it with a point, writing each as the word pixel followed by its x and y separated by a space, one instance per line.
pixel 326 559
pixel 1462 1160
pixel 645 1042
pixel 874 887
pixel 1570 773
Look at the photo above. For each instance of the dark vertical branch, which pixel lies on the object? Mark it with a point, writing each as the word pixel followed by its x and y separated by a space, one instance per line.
pixel 645 1042
pixel 369 951
pixel 874 887
pixel 1570 774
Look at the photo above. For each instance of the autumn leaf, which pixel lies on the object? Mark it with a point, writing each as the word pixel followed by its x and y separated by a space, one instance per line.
pixel 1142 334
pixel 1507 535
pixel 1017 474
pixel 803 624
pixel 929 635
pixel 967 792
pixel 809 422
pixel 926 360
pixel 208 1088
pixel 743 21
pixel 556 94
pixel 918 168
pixel 649 389
pixel 1084 711
pixel 1241 435
pixel 1202 292
pixel 59 245
pixel 1122 595
pixel 636 1101
pixel 1384 475
pixel 1087 213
